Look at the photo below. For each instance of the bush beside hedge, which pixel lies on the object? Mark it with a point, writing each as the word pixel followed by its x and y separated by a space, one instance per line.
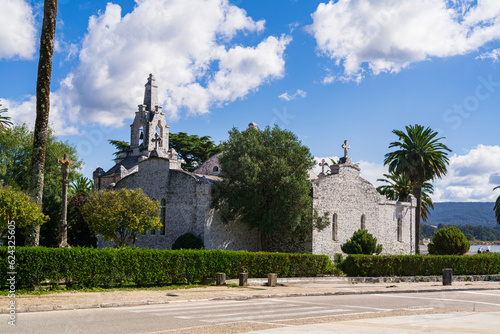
pixel 90 267
pixel 420 265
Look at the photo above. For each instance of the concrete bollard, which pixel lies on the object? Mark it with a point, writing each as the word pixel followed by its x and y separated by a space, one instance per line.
pixel 243 279
pixel 272 279
pixel 447 276
pixel 220 279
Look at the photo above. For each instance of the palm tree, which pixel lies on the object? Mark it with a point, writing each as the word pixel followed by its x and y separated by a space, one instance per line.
pixel 42 111
pixel 4 120
pixel 497 207
pixel 399 187
pixel 422 157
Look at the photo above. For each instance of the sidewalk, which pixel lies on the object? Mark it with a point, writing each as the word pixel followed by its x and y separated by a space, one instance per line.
pixel 305 287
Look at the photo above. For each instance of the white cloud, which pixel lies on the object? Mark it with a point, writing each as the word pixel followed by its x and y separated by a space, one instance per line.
pixel 389 35
pixel 471 177
pixel 371 172
pixel 187 45
pixel 18 32
pixel 493 55
pixel 25 112
pixel 287 97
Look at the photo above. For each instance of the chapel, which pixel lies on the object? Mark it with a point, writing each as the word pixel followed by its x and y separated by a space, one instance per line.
pixel 351 202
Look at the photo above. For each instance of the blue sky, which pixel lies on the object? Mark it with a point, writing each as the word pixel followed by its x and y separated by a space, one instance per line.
pixel 328 71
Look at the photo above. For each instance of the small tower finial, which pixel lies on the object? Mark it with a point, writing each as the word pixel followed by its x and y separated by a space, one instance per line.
pixel 151 93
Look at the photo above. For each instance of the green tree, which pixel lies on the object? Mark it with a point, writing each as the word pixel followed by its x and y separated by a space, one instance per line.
pixel 265 182
pixel 362 242
pixel 16 152
pixel 42 111
pixel 398 188
pixel 121 215
pixel 82 185
pixel 420 156
pixel 79 233
pixel 121 146
pixel 4 120
pixel 449 241
pixel 497 207
pixel 192 149
pixel 18 207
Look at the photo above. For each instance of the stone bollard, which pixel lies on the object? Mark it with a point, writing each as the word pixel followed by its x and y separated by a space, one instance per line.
pixel 272 279
pixel 447 276
pixel 243 279
pixel 220 279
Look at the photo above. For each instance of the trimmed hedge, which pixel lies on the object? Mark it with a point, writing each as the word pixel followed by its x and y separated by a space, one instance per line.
pixel 420 265
pixel 90 267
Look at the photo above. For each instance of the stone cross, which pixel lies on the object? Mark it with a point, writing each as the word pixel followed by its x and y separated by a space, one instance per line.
pixel 63 228
pixel 345 147
pixel 323 164
pixel 156 140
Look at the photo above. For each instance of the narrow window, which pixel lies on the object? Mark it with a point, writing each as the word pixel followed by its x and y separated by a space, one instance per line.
pixel 153 232
pixel 334 227
pixel 363 222
pixel 400 230
pixel 163 216
pixel 216 169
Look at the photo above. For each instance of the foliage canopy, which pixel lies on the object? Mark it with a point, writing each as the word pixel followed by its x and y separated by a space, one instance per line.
pixel 421 157
pixel 497 207
pixel 361 242
pixel 192 149
pixel 120 215
pixel 18 207
pixel 449 241
pixel 398 187
pixel 265 182
pixel 15 170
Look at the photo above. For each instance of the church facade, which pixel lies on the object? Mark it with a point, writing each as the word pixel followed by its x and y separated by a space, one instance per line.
pixel 185 197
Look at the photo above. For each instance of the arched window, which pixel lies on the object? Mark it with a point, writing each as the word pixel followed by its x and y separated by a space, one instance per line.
pixel 215 169
pixel 363 222
pixel 400 230
pixel 163 215
pixel 153 232
pixel 159 131
pixel 334 227
pixel 141 135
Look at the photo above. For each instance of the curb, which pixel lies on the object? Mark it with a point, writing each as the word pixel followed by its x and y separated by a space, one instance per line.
pixel 45 308
pixel 342 293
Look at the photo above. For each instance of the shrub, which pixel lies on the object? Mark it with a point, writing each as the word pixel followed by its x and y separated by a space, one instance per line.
pixel 90 267
pixel 449 241
pixel 420 265
pixel 362 242
pixel 188 241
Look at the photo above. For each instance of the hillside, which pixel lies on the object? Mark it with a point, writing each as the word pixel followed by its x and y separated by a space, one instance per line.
pixel 461 213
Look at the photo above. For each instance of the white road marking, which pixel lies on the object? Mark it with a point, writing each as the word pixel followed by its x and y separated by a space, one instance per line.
pixel 190 307
pixel 330 305
pixel 442 299
pixel 274 310
pixel 482 293
pixel 262 316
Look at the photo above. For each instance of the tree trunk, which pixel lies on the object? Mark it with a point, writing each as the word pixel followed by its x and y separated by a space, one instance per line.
pixel 417 192
pixel 42 111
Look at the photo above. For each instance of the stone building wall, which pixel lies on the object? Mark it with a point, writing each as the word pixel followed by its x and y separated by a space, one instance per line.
pixel 188 198
pixel 349 197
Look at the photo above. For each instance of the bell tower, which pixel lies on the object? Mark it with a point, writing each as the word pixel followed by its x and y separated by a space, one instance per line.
pixel 149 131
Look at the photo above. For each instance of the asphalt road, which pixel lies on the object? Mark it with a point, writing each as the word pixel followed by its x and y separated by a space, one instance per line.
pixel 263 311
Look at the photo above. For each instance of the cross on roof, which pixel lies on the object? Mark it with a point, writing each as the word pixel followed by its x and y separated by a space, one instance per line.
pixel 156 140
pixel 323 164
pixel 345 146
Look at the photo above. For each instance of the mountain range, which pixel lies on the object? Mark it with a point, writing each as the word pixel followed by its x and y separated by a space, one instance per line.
pixel 462 213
